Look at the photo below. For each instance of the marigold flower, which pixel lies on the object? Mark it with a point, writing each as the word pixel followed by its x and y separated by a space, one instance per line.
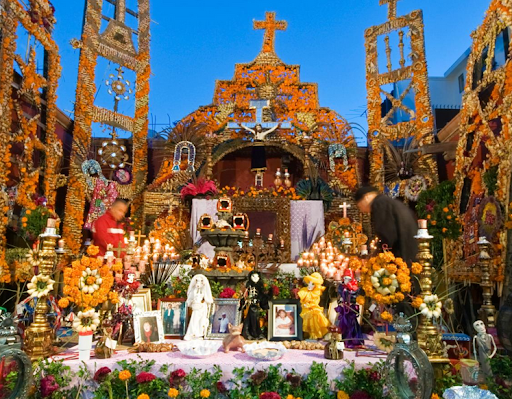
pixel 63 302
pixel 360 300
pixel 205 393
pixel 143 396
pixel 416 268
pixel 434 396
pixel 416 302
pixel 386 316
pixel 93 250
pixel 445 209
pixel 433 223
pixel 342 395
pixel 124 375
pixel 386 281
pixel 173 393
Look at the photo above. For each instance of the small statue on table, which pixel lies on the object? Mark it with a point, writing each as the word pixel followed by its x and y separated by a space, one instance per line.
pixel 348 310
pixel 484 347
pixel 123 318
pixel 334 349
pixel 314 321
pixel 253 301
pixel 199 299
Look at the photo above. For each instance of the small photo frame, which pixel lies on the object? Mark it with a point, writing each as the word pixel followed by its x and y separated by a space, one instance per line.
pixel 224 204
pixel 142 300
pixel 240 221
pixel 174 317
pixel 284 321
pixel 205 222
pixel 223 312
pixel 148 327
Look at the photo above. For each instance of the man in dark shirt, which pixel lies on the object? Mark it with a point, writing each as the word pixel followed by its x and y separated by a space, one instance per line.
pixel 393 222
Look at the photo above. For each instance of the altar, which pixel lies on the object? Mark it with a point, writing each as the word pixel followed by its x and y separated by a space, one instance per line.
pixel 299 361
pixel 303 222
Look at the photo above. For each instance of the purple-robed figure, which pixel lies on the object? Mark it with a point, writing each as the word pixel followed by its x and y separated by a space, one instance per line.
pixel 348 311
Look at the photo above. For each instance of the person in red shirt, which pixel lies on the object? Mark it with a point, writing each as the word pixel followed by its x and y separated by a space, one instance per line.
pixel 108 228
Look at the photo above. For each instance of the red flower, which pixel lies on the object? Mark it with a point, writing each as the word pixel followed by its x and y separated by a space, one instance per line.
pixel 275 290
pixel 374 375
pixel 101 374
pixel 202 187
pixel 360 395
pixel 145 377
pixel 227 293
pixel 180 373
pixel 48 386
pixel 270 395
pixel 221 388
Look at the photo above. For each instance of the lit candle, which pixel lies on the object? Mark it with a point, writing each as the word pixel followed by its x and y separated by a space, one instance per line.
pixel 61 244
pixel 282 243
pixel 51 223
pixel 422 223
pixel 270 236
pixel 155 257
pixel 300 262
pixel 258 232
pixel 246 234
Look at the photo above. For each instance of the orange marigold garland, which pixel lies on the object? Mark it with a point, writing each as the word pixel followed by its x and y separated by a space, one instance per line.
pixel 386 279
pixel 87 282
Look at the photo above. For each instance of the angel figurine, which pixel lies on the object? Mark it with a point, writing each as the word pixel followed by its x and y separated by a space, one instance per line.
pixel 484 347
pixel 199 299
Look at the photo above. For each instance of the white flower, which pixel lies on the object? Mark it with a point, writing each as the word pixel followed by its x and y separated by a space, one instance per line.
pixel 88 276
pixel 40 286
pixel 377 283
pixel 431 306
pixel 86 321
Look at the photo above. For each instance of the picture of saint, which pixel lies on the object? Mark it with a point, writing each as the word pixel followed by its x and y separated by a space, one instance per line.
pixel 284 321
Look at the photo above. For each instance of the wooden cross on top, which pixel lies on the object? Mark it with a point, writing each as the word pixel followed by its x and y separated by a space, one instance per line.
pixel 119 250
pixel 391 7
pixel 139 236
pixel 270 25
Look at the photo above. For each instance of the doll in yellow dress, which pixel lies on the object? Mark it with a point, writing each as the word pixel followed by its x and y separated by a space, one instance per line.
pixel 314 321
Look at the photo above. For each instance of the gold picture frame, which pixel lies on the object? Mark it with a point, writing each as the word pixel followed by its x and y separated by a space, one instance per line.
pixel 142 300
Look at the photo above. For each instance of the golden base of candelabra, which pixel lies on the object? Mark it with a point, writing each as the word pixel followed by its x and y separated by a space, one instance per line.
pixel 38 343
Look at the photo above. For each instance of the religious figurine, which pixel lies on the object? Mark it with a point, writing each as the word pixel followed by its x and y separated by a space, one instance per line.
pixel 234 340
pixel 258 133
pixel 348 310
pixel 314 321
pixel 484 347
pixel 199 298
pixel 104 347
pixel 253 301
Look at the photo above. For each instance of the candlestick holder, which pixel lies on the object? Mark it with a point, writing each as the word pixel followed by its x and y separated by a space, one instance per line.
pixel 429 338
pixel 265 255
pixel 39 336
pixel 487 311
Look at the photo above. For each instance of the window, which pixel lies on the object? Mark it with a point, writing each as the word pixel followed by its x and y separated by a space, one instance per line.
pixel 461 83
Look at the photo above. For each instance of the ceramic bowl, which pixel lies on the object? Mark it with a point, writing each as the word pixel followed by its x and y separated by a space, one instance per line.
pixel 265 350
pixel 199 348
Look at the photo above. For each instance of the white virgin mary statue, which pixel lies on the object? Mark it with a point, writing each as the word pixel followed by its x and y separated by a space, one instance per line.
pixel 199 299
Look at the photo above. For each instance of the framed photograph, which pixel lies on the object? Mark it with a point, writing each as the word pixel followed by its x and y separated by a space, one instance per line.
pixel 174 317
pixel 223 312
pixel 224 204
pixel 142 300
pixel 148 327
pixel 284 321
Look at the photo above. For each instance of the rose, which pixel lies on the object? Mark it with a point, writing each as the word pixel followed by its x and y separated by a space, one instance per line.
pixel 221 388
pixel 145 377
pixel 101 374
pixel 48 386
pixel 270 395
pixel 275 290
pixel 180 373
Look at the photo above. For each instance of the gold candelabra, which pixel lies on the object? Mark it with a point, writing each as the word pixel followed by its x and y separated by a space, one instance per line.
pixel 39 337
pixel 429 338
pixel 487 312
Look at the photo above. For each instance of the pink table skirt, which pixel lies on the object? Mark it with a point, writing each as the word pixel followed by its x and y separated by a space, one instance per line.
pixel 298 360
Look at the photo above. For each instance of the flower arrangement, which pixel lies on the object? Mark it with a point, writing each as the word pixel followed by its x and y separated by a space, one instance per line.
pixel 431 307
pixel 40 286
pixel 386 279
pixel 361 383
pixel 33 222
pixel 86 321
pixel 201 187
pixel 88 281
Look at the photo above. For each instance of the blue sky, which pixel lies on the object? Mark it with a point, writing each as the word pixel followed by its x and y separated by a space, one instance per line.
pixel 194 44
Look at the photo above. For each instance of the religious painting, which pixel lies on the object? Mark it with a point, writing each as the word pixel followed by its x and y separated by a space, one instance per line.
pixel 148 327
pixel 142 300
pixel 284 321
pixel 223 312
pixel 174 317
